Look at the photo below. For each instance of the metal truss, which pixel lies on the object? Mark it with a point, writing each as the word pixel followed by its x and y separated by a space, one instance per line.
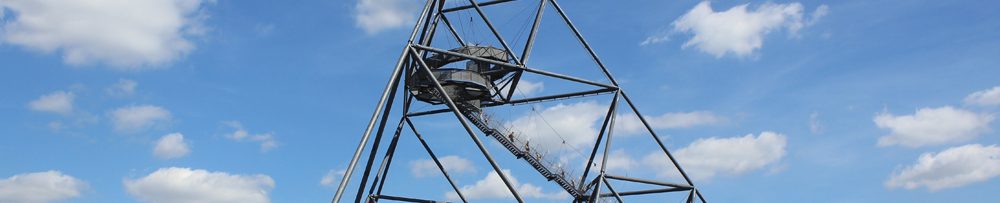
pixel 412 62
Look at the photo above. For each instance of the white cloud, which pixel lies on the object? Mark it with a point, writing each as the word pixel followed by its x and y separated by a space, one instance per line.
pixel 453 164
pixel 133 119
pixel 932 126
pixel 740 31
pixel 171 146
pixel 619 162
pixel 374 16
pixel 953 167
pixel 57 102
pixel 332 177
pixel 492 187
pixel 40 187
pixel 655 39
pixel 526 88
pixel 127 34
pixel 266 140
pixel 820 12
pixel 706 158
pixel 124 87
pixel 170 185
pixel 630 123
pixel 576 123
pixel 814 124
pixel 989 97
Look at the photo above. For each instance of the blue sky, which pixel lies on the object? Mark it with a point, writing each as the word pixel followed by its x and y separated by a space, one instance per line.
pixel 258 101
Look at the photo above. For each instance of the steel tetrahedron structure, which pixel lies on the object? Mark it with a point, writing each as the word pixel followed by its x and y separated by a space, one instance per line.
pixel 486 78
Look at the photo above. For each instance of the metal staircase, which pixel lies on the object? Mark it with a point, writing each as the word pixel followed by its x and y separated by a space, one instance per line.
pixel 474 115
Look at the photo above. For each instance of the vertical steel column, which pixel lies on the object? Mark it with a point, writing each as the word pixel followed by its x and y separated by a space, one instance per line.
pixel 659 142
pixel 383 170
pixel 386 161
pixel 584 42
pixel 600 135
pixel 612 190
pixel 436 161
pixel 393 81
pixel 495 33
pixel 527 47
pixel 461 119
pixel 452 29
pixel 534 30
pixel 424 37
pixel 607 148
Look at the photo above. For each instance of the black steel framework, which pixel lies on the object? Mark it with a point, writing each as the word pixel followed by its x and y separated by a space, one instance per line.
pixel 412 62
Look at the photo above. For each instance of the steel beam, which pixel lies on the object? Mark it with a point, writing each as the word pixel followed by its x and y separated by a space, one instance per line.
pixel 389 89
pixel 600 136
pixel 521 101
pixel 505 64
pixel 465 124
pixel 459 8
pixel 651 182
pixel 436 160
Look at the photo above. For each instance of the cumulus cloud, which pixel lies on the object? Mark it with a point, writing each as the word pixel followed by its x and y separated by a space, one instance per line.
pixel 266 140
pixel 953 167
pixel 492 187
pixel 40 187
pixel 374 16
pixel 932 126
pixel 57 102
pixel 707 158
pixel 989 97
pixel 126 34
pixel 171 146
pixel 123 88
pixel 332 177
pixel 630 123
pixel 170 185
pixel 133 119
pixel 738 30
pixel 575 123
pixel 526 88
pixel 452 164
pixel 619 162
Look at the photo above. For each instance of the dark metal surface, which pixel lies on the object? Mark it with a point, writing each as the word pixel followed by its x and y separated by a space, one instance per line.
pixel 466 92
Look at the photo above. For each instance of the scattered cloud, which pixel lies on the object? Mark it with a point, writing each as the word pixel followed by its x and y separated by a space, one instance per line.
pixel 332 177
pixel 630 123
pixel 40 187
pixel 169 185
pixel 932 126
pixel 740 31
pixel 707 158
pixel 126 34
pixel 453 164
pixel 492 187
pixel 57 102
pixel 374 16
pixel 526 88
pixel 989 97
pixel 619 161
pixel 266 140
pixel 171 146
pixel 123 88
pixel 953 167
pixel 655 39
pixel 561 126
pixel 814 124
pixel 133 119
pixel 820 12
